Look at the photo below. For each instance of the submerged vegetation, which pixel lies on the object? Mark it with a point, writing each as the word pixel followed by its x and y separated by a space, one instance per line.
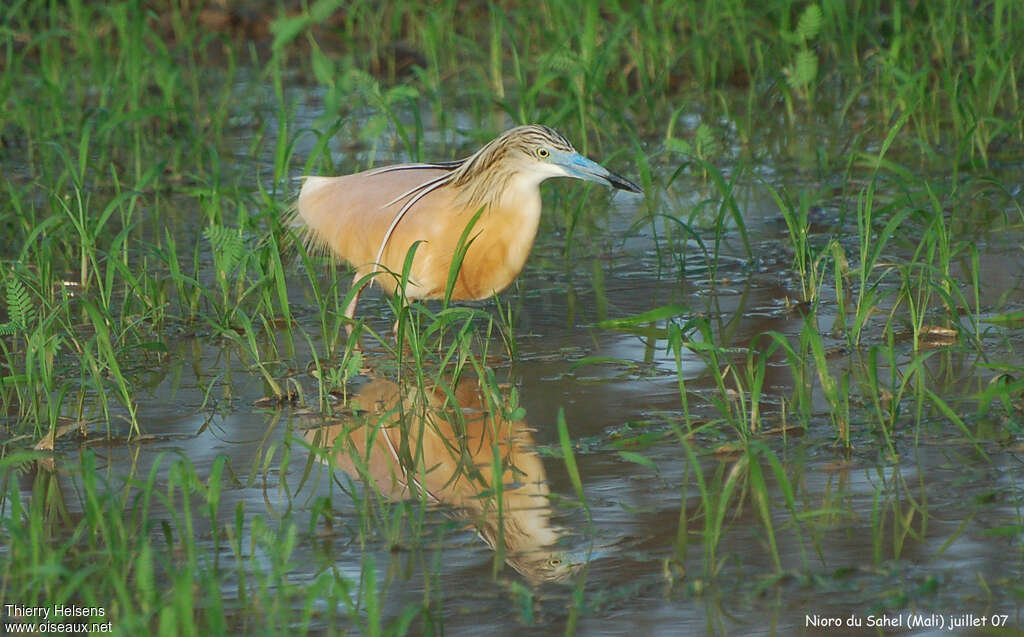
pixel 809 329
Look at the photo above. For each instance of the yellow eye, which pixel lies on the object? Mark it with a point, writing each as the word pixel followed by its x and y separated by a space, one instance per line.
pixel 543 153
pixel 554 561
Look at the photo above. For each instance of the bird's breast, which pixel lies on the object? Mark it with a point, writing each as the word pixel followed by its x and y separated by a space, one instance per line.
pixel 500 248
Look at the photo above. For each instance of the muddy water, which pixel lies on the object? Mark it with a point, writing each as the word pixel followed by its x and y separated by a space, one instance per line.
pixel 921 532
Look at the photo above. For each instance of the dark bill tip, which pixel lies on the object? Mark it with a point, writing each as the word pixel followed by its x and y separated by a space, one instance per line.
pixel 623 184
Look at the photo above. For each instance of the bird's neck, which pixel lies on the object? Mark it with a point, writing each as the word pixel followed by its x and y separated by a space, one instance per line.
pixel 502 190
pixel 503 238
pixel 513 220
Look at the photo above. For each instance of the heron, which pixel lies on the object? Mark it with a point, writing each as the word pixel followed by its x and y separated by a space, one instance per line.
pixel 372 219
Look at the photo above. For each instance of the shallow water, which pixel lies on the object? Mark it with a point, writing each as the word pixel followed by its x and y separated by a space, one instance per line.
pixel 934 528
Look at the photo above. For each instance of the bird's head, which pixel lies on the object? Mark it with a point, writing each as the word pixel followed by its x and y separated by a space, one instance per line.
pixel 536 152
pixel 545 152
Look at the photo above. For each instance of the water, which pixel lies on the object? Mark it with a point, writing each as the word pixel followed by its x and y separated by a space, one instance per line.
pixel 931 528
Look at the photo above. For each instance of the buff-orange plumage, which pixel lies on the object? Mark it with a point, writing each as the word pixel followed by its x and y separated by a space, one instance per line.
pixel 371 219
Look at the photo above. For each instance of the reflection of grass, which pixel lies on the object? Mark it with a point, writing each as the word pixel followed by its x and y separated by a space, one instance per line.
pixel 179 562
pixel 146 171
pixel 903 286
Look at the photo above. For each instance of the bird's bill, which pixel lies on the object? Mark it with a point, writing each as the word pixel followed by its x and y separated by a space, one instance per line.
pixel 580 167
pixel 621 183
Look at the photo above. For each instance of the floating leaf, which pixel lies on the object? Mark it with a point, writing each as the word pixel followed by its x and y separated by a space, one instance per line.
pixel 1008 319
pixel 650 316
pixel 1006 530
pixel 601 360
pixel 632 456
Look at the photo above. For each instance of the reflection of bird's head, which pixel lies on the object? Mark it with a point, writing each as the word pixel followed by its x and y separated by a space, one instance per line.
pixel 524 522
pixel 544 566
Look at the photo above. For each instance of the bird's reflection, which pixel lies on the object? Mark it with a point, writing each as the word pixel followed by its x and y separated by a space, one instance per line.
pixel 447 445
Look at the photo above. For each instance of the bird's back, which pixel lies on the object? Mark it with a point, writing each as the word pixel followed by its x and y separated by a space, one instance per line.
pixel 351 214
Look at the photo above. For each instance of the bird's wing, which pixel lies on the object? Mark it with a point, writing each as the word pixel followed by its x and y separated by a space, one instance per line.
pixel 356 215
pixel 440 165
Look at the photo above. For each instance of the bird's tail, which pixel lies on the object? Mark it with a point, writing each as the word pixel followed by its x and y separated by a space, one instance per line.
pixel 299 228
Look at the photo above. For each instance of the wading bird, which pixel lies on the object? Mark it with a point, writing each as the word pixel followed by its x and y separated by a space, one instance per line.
pixel 373 218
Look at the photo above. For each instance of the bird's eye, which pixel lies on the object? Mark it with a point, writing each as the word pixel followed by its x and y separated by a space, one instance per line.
pixel 543 153
pixel 554 561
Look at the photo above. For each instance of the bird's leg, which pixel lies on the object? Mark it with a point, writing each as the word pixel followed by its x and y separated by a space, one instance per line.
pixel 350 309
pixel 394 328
